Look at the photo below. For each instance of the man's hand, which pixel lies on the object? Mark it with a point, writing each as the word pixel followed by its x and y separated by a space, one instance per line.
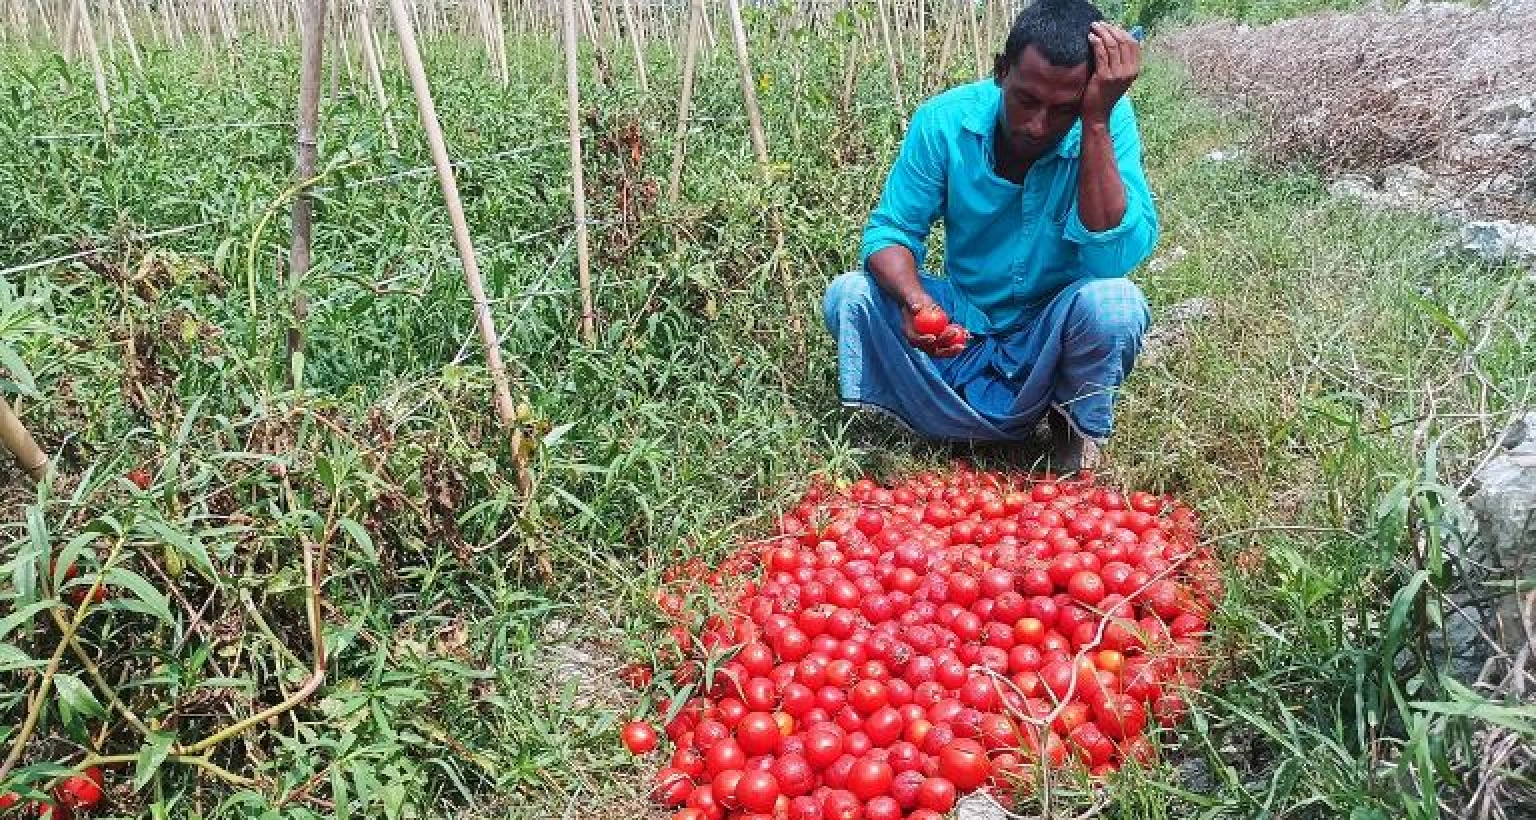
pixel 1117 61
pixel 949 342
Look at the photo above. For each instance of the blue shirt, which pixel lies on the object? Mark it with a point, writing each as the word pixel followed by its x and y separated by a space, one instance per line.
pixel 1007 247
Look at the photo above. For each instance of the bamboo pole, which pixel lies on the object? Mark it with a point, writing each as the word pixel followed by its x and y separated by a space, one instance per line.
pixel 498 24
pixel 760 149
pixel 981 64
pixel 506 411
pixel 128 34
pixel 578 177
pixel 99 74
pixel 16 439
pixel 748 84
pixel 371 62
pixel 890 62
pixel 685 99
pixel 634 42
pixel 306 151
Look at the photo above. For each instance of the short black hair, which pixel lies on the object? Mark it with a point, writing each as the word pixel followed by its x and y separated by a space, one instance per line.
pixel 1057 28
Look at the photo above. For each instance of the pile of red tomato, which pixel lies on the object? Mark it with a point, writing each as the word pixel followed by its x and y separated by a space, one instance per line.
pixel 895 648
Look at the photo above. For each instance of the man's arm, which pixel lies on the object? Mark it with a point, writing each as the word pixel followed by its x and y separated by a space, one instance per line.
pixel 1114 221
pixel 896 236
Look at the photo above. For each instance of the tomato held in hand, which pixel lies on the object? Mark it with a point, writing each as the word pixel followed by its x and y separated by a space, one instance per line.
pixel 930 321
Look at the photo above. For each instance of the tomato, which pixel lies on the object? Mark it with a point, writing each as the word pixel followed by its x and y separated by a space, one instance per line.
pixel 794 775
pixel 937 794
pixel 930 321
pixel 757 791
pixel 9 799
pixel 823 745
pixel 882 807
pixel 869 696
pixel 1086 587
pixel 905 787
pixel 841 805
pixel 672 788
pixel 1091 745
pixel 964 763
pixel 690 814
pixel 639 738
pixel 1121 717
pixel 141 479
pixel 727 755
pixel 870 778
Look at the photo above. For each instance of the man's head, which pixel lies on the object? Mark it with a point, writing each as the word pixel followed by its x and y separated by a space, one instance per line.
pixel 1043 69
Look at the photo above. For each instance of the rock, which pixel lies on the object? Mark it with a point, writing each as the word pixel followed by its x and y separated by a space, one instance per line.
pixel 1500 241
pixel 1498 521
pixel 1508 113
pixel 1221 155
pixel 1354 186
pixel 1407 183
pixel 1504 505
pixel 979 807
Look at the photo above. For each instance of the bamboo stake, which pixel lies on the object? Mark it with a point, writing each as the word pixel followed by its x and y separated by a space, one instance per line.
pixel 760 149
pixel 67 44
pixel 371 60
pixel 981 64
pixel 306 150
pixel 890 62
pixel 748 84
pixel 103 99
pixel 506 411
pixel 685 99
pixel 578 177
pixel 634 42
pixel 16 439
pixel 498 24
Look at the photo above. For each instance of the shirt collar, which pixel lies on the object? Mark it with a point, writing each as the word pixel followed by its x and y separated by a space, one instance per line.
pixel 981 119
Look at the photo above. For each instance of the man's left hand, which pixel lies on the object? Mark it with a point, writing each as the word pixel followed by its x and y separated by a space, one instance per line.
pixel 1117 61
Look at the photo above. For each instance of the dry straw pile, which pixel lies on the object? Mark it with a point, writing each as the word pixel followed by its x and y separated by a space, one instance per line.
pixel 1449 89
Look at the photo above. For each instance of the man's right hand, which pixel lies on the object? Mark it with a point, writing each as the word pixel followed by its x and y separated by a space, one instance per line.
pixel 939 345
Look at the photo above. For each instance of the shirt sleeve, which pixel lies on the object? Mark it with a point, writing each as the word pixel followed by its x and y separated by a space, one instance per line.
pixel 1115 252
pixel 913 195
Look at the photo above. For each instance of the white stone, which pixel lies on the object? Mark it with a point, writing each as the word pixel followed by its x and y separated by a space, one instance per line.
pixel 1504 504
pixel 1500 241
pixel 979 807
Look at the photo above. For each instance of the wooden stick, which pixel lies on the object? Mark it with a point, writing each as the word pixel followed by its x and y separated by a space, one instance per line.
pixel 981 64
pixel 748 84
pixel 371 61
pixel 634 42
pixel 890 62
pixel 578 177
pixel 306 151
pixel 122 22
pixel 103 98
pixel 498 25
pixel 20 443
pixel 685 99
pixel 506 411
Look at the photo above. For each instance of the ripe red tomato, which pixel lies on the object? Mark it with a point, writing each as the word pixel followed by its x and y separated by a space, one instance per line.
pixel 869 696
pixel 672 787
pixel 757 791
pixel 882 807
pixel 639 738
pixel 726 755
pixel 823 745
pixel 930 321
pixel 937 794
pixel 869 778
pixel 758 733
pixel 964 763
pixel 141 479
pixel 1087 587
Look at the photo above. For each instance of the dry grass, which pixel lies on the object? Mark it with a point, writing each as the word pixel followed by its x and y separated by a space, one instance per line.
pixel 1361 92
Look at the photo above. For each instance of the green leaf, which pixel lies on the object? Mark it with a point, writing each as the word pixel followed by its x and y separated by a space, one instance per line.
pixel 191 547
pixel 360 535
pixel 151 756
pixel 142 589
pixel 20 375
pixel 339 794
pixel 21 616
pixel 76 697
pixel 12 659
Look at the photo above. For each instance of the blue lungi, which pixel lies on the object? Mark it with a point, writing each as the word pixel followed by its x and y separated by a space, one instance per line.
pixel 1072 352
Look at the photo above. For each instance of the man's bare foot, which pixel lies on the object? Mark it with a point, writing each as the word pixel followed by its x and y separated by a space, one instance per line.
pixel 1070 452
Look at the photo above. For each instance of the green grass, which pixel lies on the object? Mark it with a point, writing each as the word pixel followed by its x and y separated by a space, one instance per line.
pixel 474 632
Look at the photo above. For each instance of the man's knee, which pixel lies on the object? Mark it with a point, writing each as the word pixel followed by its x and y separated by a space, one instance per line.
pixel 851 294
pixel 1111 310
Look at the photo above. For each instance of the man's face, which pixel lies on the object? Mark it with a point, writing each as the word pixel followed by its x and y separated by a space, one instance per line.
pixel 1040 102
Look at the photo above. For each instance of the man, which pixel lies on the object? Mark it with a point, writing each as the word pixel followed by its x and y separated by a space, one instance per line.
pixel 1036 174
